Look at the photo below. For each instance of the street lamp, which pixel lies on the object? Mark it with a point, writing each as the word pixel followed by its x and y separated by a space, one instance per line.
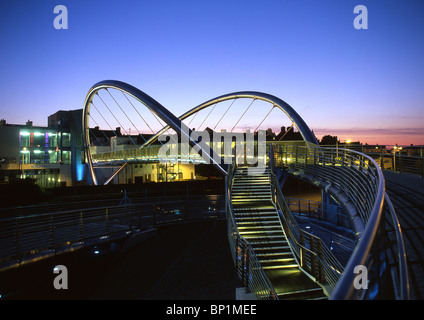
pixel 337 145
pixel 396 148
pixel 23 160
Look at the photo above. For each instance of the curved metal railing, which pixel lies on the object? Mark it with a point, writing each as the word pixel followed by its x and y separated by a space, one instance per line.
pixel 314 257
pixel 357 183
pixel 28 234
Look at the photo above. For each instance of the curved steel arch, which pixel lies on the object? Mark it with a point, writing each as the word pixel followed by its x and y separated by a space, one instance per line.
pixel 303 128
pixel 171 120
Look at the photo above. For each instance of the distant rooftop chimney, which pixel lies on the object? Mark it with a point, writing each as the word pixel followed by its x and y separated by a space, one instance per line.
pixel 2 122
pixel 29 123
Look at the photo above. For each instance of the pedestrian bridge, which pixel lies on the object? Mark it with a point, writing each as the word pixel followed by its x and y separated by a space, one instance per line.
pixel 274 256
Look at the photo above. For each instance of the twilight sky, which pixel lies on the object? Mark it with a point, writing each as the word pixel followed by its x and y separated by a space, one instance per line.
pixel 365 85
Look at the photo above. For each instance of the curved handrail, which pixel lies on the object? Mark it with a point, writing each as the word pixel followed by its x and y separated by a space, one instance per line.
pixel 330 267
pixel 403 268
pixel 356 178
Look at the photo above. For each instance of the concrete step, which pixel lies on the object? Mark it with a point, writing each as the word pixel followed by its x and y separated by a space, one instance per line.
pixel 308 294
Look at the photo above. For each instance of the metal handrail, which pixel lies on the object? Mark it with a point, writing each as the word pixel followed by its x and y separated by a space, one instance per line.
pixel 406 159
pixel 403 268
pixel 358 180
pixel 330 268
pixel 28 237
pixel 249 268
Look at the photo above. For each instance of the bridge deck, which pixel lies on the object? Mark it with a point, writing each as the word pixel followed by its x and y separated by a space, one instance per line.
pixel 407 195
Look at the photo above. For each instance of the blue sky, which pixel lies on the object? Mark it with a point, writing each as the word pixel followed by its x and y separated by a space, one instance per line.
pixel 365 85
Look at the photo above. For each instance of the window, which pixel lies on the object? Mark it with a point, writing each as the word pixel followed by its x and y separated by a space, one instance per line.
pixel 66 157
pixel 52 139
pixel 24 138
pixel 66 139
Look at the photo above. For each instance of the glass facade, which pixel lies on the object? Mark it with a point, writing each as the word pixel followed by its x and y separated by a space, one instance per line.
pixel 44 146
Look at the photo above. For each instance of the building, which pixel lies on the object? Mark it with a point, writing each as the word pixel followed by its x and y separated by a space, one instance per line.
pixel 52 155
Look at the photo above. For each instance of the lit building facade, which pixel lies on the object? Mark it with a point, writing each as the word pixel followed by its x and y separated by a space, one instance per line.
pixel 51 155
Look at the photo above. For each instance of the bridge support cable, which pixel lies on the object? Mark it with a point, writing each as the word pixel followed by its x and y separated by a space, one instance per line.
pixel 243 114
pixel 272 108
pixel 229 107
pixel 198 129
pixel 110 127
pixel 129 119
pixel 123 128
pixel 107 138
pixel 157 110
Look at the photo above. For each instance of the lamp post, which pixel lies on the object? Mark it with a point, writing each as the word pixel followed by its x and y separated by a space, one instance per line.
pixel 337 145
pixel 396 148
pixel 23 160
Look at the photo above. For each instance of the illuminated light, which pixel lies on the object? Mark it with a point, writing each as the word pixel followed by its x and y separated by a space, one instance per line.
pixel 38 134
pixel 96 251
pixel 24 133
pixel 38 151
pixel 348 141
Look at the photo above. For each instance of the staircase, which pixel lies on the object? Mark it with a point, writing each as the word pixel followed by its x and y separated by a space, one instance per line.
pixel 258 222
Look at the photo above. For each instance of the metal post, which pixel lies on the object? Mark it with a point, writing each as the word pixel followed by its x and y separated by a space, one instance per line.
pixel 320 256
pixel 313 257
pixel 52 231
pixel 107 222
pixel 82 226
pixel 17 238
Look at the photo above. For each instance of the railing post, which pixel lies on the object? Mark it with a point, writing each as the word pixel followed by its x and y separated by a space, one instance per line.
pixel 320 262
pixel 247 265
pixel 422 162
pixel 381 159
pixel 130 209
pixel 17 238
pixel 52 231
pixel 302 253
pixel 82 226
pixel 107 222
pixel 313 257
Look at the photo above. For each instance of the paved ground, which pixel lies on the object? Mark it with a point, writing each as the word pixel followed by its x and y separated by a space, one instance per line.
pixel 188 261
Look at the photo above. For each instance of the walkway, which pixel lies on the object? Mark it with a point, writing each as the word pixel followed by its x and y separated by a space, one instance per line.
pixel 407 195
